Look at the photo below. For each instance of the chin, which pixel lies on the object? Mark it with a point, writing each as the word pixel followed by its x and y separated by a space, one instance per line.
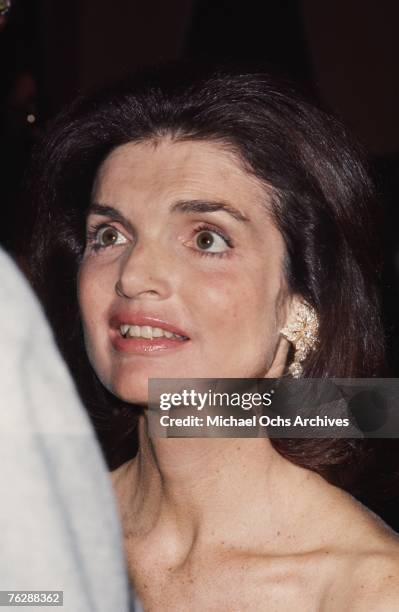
pixel 137 400
pixel 132 393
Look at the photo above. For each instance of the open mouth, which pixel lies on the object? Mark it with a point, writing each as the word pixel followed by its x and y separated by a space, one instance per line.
pixel 141 334
pixel 148 332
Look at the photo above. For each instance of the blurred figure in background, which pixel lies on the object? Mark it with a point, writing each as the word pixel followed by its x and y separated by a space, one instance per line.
pixel 57 516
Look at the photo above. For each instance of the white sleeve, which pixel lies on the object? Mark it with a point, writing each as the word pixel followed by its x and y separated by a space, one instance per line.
pixel 58 517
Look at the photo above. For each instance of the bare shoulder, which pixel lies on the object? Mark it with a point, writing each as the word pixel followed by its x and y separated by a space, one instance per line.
pixel 366 562
pixel 375 581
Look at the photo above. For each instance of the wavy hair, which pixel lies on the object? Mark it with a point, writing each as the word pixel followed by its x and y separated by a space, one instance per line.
pixel 323 203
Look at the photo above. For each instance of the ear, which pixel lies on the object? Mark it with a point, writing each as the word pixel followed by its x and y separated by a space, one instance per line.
pixel 292 305
pixel 288 316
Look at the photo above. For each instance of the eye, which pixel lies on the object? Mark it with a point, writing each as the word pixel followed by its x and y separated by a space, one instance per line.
pixel 208 240
pixel 106 236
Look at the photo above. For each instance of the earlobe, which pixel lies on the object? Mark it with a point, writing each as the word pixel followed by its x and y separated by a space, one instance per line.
pixel 277 368
pixel 302 331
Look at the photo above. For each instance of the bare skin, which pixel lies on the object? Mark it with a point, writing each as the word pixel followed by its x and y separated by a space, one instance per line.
pixel 231 525
pixel 215 524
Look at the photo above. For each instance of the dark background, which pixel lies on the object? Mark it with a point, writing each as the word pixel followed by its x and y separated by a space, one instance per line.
pixel 346 52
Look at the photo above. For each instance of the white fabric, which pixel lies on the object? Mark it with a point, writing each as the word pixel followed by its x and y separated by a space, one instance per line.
pixel 58 518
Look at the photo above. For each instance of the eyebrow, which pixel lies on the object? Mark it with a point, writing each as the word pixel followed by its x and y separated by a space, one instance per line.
pixel 203 206
pixel 184 206
pixel 109 211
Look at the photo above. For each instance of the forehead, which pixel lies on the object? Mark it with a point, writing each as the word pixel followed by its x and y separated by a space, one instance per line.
pixel 178 169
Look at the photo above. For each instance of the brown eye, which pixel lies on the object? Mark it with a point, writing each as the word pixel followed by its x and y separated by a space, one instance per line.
pixel 109 236
pixel 207 240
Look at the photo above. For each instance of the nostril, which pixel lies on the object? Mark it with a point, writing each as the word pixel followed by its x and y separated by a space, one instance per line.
pixel 119 290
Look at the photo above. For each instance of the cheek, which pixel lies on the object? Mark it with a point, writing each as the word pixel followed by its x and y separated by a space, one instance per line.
pixel 92 299
pixel 244 300
pixel 211 295
pixel 236 294
pixel 237 318
pixel 93 303
pixel 85 293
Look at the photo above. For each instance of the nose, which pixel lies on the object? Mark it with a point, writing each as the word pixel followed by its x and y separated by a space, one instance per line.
pixel 144 272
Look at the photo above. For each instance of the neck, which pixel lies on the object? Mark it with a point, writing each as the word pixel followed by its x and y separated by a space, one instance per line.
pixel 213 492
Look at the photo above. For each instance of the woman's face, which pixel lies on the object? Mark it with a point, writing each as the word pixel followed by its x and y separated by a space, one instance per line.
pixel 182 276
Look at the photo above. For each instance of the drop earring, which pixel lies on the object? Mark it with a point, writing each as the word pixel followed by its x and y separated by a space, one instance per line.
pixel 302 333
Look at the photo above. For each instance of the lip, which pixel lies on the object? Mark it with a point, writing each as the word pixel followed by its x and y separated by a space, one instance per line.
pixel 144 346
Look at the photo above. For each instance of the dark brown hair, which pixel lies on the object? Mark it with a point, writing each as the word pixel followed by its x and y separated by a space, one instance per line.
pixel 323 204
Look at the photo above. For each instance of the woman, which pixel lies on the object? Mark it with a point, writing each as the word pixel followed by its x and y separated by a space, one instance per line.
pixel 205 225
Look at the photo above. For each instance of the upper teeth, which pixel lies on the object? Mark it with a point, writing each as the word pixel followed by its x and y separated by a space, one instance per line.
pixel 146 331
